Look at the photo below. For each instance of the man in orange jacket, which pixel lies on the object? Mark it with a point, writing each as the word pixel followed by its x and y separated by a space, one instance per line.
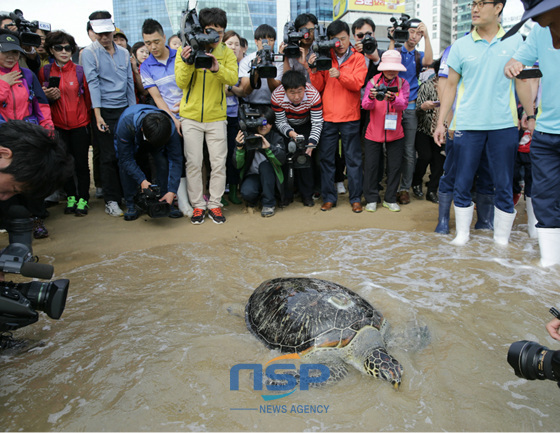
pixel 340 89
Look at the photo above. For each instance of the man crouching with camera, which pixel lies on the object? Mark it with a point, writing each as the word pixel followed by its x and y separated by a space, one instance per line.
pixel 259 156
pixel 144 130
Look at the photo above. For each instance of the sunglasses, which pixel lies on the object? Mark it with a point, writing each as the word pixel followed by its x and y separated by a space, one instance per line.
pixel 59 48
pixel 361 35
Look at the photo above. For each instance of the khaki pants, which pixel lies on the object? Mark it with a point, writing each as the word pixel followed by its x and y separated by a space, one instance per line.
pixel 194 134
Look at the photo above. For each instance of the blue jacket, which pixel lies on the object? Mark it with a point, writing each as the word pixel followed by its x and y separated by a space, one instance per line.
pixel 128 136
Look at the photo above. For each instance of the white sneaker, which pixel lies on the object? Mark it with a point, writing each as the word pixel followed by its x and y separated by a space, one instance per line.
pixel 112 208
pixel 393 207
pixel 340 188
pixel 371 207
pixel 268 211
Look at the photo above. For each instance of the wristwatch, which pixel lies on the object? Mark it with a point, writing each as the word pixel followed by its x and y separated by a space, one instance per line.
pixel 533 116
pixel 229 88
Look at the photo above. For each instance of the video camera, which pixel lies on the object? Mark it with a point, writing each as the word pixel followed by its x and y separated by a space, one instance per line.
pixel 322 47
pixel 263 63
pixel 292 38
pixel 297 158
pixel 400 29
pixel 19 301
pixel 148 202
pixel 382 90
pixel 193 34
pixel 249 121
pixel 532 361
pixel 26 29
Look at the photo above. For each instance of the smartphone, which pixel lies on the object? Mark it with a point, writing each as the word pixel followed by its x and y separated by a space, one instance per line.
pixel 436 103
pixel 529 73
pixel 54 82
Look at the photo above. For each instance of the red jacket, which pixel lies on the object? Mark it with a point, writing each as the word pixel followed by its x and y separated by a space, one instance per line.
pixel 25 100
pixel 341 96
pixel 72 109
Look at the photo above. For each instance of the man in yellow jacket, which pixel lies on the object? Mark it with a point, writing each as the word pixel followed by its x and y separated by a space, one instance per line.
pixel 203 115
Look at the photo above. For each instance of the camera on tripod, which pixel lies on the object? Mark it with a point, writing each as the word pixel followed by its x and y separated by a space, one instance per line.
pixel 148 202
pixel 297 157
pixel 322 48
pixel 249 121
pixel 195 36
pixel 26 29
pixel 292 38
pixel 19 302
pixel 400 28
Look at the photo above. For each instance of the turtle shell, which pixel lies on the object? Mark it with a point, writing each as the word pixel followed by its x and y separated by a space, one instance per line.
pixel 295 315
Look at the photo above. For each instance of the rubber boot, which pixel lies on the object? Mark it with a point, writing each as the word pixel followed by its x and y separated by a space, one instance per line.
pixel 484 212
pixel 445 200
pixel 531 219
pixel 463 220
pixel 549 244
pixel 233 197
pixel 503 222
pixel 183 198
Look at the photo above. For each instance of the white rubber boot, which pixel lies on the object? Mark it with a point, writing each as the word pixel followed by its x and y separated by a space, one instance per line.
pixel 503 222
pixel 463 220
pixel 183 198
pixel 549 244
pixel 531 219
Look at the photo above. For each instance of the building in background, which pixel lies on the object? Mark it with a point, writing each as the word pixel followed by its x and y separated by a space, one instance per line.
pixel 322 9
pixel 438 16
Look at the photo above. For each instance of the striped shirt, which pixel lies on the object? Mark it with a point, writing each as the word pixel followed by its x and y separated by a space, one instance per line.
pixel 310 109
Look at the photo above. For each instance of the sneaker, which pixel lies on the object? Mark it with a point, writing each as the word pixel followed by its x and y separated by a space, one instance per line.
pixel 316 196
pixel 98 192
pixel 216 215
pixel 39 229
pixel 82 208
pixel 417 191
pixel 371 207
pixel 197 216
pixel 70 205
pixel 268 211
pixel 393 207
pixel 112 208
pixel 340 188
pixel 131 213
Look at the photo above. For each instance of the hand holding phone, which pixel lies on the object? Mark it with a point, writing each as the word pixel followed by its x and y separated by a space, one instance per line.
pixel 529 73
pixel 54 82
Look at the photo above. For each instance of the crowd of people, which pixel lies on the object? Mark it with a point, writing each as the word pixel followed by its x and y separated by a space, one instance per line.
pixel 217 124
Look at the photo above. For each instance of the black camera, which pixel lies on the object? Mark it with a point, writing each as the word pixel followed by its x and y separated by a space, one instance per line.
pixel 193 34
pixel 148 202
pixel 297 158
pixel 369 44
pixel 382 90
pixel 322 48
pixel 532 361
pixel 249 121
pixel 18 302
pixel 400 29
pixel 292 38
pixel 26 29
pixel 264 61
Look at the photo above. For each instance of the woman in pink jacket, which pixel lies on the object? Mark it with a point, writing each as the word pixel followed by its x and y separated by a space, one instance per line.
pixel 386 97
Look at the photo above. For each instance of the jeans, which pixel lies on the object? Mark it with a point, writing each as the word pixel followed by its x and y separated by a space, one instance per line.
pixel 545 161
pixel 500 147
pixel 261 184
pixel 349 133
pixel 409 124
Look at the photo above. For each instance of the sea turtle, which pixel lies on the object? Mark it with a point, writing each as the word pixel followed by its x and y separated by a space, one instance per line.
pixel 323 322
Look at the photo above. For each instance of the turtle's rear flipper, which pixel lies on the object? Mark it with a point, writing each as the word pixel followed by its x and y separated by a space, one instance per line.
pixel 415 337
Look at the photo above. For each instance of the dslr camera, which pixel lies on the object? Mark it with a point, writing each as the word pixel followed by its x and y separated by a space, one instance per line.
pixel 26 29
pixel 322 48
pixel 369 44
pixel 532 361
pixel 292 38
pixel 148 202
pixel 400 27
pixel 20 302
pixel 382 90
pixel 249 121
pixel 297 158
pixel 193 34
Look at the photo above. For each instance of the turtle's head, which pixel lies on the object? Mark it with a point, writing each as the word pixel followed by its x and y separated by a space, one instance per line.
pixel 383 366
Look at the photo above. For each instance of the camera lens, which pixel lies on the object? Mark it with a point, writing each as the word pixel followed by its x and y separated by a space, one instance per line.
pixel 532 361
pixel 47 297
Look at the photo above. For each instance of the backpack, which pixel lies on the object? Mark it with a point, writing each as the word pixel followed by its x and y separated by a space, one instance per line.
pixel 417 60
pixel 79 75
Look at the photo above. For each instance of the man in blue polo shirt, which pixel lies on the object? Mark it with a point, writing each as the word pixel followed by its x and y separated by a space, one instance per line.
pixel 413 60
pixel 485 118
pixel 543 43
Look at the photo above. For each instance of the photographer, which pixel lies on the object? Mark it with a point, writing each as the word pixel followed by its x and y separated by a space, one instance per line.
pixel 261 169
pixel 203 116
pixel 144 129
pixel 299 111
pixel 304 23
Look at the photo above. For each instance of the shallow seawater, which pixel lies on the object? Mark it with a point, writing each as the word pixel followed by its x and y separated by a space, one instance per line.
pixel 146 341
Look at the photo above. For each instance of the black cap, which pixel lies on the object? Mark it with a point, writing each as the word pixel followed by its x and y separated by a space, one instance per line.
pixel 9 43
pixel 532 9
